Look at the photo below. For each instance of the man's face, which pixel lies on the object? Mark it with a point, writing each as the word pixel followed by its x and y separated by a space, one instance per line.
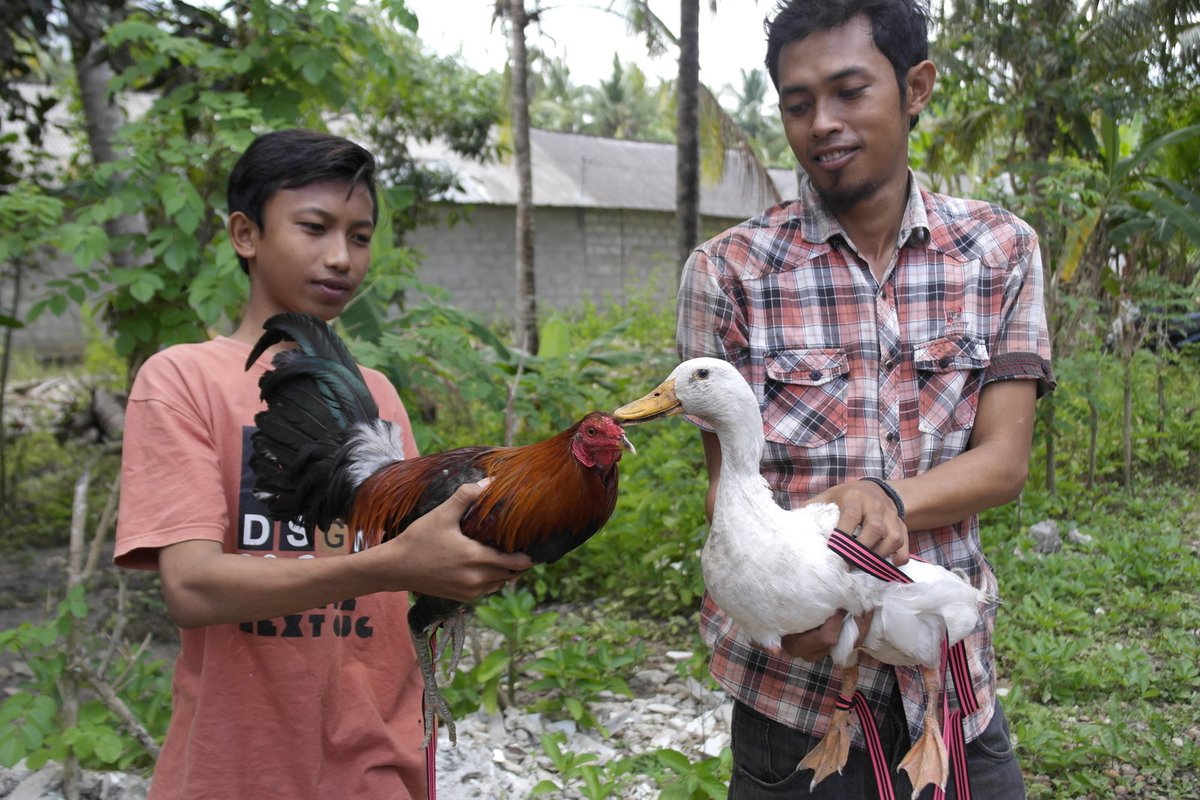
pixel 314 248
pixel 843 114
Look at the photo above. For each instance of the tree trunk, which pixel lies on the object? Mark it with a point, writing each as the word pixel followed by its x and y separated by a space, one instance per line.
pixel 1093 441
pixel 687 134
pixel 101 114
pixel 526 333
pixel 1127 422
pixel 1051 449
pixel 17 265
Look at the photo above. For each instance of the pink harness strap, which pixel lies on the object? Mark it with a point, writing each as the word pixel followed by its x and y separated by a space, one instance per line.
pixel 858 703
pixel 955 658
pixel 431 748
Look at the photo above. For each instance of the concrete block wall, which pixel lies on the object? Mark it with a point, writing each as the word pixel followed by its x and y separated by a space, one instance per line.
pixel 601 256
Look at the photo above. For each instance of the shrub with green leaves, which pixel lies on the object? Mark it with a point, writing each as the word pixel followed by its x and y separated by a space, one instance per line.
pixel 30 723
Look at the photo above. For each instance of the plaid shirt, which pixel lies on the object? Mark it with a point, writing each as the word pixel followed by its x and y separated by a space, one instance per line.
pixel 856 377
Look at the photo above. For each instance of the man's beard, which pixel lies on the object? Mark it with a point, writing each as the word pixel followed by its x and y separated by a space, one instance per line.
pixel 840 198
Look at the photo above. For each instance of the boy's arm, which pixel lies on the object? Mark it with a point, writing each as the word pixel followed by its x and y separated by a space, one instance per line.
pixel 204 585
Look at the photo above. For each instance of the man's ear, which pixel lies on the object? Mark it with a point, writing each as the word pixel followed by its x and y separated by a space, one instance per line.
pixel 244 234
pixel 920 81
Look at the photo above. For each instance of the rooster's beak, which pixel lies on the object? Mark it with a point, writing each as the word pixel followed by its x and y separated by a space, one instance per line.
pixel 628 445
pixel 661 402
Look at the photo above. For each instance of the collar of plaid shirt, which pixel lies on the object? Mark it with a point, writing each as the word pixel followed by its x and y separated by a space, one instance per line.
pixel 857 377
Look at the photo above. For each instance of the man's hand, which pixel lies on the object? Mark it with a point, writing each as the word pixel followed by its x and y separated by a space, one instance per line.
pixel 813 645
pixel 867 509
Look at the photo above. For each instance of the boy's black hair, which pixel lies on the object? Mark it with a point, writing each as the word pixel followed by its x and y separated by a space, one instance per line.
pixel 899 28
pixel 292 159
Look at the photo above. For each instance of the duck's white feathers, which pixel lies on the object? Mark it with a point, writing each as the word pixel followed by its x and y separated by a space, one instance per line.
pixel 770 568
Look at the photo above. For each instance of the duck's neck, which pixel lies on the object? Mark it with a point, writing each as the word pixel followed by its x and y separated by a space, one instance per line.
pixel 741 438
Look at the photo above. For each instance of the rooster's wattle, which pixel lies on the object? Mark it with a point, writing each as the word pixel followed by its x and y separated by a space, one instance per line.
pixel 323 455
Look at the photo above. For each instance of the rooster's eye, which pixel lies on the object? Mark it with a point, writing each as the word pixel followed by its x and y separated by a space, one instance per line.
pixel 591 431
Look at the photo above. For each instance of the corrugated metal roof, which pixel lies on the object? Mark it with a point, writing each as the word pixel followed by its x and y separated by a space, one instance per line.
pixel 576 171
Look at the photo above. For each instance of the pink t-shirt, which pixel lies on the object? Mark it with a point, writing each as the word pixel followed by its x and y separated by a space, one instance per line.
pixel 321 704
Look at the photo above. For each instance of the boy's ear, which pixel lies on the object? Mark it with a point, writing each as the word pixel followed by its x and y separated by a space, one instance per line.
pixel 244 234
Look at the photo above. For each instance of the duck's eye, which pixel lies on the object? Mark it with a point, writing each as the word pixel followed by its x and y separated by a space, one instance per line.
pixel 702 373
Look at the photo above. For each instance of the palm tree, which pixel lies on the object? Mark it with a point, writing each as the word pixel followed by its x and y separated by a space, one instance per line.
pixel 687 137
pixel 699 117
pixel 525 323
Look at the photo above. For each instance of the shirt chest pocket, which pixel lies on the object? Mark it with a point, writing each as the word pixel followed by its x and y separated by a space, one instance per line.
pixel 950 376
pixel 805 396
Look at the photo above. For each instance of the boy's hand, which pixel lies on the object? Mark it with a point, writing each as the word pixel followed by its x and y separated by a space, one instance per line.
pixel 432 556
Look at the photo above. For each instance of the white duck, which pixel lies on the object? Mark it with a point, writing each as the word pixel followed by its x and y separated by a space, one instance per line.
pixel 771 571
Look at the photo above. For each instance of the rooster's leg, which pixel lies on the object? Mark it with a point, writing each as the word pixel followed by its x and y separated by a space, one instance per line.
pixel 926 762
pixel 454 634
pixel 435 705
pixel 830 754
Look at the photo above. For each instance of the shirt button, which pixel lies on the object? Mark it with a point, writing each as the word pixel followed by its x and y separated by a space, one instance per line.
pixel 815 375
pixel 891 436
pixel 890 364
pixel 945 362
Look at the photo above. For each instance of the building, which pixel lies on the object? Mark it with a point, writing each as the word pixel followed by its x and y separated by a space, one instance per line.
pixel 604 221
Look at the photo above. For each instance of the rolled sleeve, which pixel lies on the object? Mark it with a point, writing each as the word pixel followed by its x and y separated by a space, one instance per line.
pixel 1022 349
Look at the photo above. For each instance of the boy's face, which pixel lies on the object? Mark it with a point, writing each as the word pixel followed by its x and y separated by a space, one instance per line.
pixel 843 114
pixel 313 250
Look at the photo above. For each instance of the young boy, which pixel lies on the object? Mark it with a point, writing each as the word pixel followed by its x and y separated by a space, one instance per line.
pixel 297 676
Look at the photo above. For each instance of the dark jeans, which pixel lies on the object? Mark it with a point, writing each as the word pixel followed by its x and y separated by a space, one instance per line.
pixel 765 755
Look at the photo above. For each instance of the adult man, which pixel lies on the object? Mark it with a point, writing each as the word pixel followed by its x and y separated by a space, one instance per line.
pixel 889 333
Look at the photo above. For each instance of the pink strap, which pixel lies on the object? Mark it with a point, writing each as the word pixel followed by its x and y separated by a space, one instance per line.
pixel 954 664
pixel 879 765
pixel 431 748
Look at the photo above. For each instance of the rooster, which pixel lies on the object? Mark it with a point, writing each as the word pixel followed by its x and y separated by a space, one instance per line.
pixel 322 455
pixel 771 569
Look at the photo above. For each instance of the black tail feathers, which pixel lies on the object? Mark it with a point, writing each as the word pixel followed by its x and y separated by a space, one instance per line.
pixel 316 400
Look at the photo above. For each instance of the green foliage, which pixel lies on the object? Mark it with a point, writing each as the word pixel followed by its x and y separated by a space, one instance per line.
pixel 213 82
pixel 30 723
pixel 43 473
pixel 684 779
pixel 1098 635
pixel 677 776
pixel 523 631
pixel 565 664
pixel 580 671
pixel 579 771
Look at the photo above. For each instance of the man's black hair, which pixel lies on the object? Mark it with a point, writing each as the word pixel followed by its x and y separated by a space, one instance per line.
pixel 292 159
pixel 899 28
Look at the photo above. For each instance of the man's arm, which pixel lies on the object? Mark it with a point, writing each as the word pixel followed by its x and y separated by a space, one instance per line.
pixel 204 585
pixel 990 472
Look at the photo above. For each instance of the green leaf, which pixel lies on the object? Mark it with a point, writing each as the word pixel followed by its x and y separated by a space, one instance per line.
pixel 543 787
pixel 142 291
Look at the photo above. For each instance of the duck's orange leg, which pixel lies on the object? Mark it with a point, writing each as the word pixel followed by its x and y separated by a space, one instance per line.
pixel 927 762
pixel 830 754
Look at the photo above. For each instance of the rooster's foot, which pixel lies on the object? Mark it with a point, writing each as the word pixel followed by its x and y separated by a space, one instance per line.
pixel 435 705
pixel 830 754
pixel 926 762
